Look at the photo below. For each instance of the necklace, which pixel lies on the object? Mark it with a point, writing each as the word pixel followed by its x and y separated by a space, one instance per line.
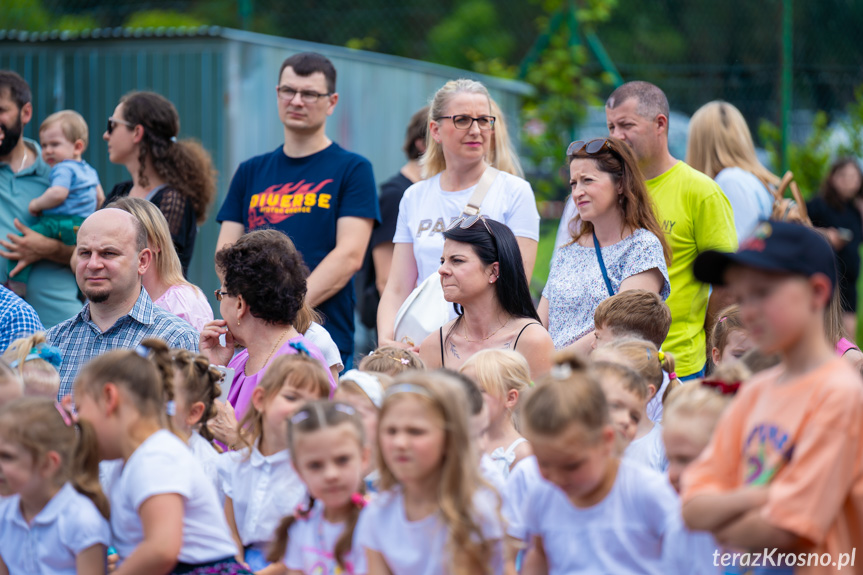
pixel 24 159
pixel 464 333
pixel 272 351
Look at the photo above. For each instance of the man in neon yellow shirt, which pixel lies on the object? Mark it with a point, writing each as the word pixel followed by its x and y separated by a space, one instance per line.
pixel 694 213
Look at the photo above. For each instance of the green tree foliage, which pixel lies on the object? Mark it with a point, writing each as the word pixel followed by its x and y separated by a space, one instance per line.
pixel 471 36
pixel 164 18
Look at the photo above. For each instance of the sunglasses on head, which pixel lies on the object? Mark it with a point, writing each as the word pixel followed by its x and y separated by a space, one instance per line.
pixel 466 222
pixel 591 147
pixel 112 124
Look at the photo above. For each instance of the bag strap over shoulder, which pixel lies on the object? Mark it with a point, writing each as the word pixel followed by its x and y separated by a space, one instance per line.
pixel 478 195
pixel 602 266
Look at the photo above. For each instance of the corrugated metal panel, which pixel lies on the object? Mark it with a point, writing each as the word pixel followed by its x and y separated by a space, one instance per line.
pixel 223 84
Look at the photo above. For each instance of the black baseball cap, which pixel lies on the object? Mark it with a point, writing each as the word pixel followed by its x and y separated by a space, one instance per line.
pixel 773 246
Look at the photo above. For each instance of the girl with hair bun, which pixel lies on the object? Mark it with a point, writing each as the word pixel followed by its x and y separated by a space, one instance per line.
pixel 198 387
pixel 594 513
pixel 164 518
pixel 176 175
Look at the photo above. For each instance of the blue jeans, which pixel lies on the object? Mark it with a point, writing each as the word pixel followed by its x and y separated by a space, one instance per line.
pixel 696 375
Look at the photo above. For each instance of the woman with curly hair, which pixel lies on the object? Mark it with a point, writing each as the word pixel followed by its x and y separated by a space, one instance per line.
pixel 177 176
pixel 263 289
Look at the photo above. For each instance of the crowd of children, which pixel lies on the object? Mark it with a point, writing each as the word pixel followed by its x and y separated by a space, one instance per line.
pixel 608 465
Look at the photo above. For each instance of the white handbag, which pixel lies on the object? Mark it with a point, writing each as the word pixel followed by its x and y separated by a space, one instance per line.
pixel 425 309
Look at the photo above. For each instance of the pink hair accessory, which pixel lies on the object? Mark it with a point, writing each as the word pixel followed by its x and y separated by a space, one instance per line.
pixel 359 500
pixel 722 319
pixel 672 376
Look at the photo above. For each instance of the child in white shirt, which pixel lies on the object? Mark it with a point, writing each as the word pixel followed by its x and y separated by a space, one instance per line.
pixel 502 376
pixel 593 513
pixel 260 484
pixel 432 516
pixel 329 453
pixel 52 511
pixel 164 518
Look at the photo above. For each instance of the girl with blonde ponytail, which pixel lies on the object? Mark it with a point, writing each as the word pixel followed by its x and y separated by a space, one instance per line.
pixel 164 519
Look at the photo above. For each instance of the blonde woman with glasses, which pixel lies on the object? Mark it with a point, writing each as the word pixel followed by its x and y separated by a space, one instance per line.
pixel 466 136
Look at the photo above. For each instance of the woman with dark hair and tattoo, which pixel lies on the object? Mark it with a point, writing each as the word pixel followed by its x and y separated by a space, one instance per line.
pixel 176 175
pixel 482 273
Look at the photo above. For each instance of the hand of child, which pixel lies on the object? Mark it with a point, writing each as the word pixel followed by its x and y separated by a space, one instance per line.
pixel 210 345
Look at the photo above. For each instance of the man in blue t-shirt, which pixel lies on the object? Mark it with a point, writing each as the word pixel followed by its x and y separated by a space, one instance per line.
pixel 322 196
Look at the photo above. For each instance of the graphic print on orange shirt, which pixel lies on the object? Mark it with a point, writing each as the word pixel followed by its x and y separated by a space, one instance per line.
pixel 768 448
pixel 281 201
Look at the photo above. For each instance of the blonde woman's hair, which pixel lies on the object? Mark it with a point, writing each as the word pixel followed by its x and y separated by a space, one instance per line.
pixel 167 261
pixel 501 151
pixel 445 399
pixel 38 376
pixel 41 425
pixel 499 371
pixel 643 357
pixel 391 360
pixel 502 154
pixel 569 394
pixel 298 371
pixel 719 138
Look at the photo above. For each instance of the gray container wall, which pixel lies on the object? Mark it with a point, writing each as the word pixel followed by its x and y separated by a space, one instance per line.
pixel 223 86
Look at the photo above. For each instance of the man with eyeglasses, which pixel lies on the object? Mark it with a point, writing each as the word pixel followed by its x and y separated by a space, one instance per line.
pixel 51 288
pixel 692 210
pixel 319 194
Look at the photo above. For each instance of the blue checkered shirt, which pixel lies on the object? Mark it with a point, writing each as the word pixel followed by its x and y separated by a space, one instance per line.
pixel 80 340
pixel 17 318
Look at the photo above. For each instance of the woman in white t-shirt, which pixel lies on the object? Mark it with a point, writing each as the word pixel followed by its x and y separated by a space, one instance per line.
pixel 164 279
pixel 465 137
pixel 434 514
pixel 592 512
pixel 165 518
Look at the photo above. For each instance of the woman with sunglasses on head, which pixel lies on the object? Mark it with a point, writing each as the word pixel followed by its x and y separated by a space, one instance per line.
pixel 482 274
pixel 465 137
pixel 616 220
pixel 177 176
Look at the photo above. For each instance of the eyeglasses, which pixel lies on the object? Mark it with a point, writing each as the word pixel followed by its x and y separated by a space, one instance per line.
pixel 464 122
pixel 466 222
pixel 592 147
pixel 307 96
pixel 220 294
pixel 112 123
